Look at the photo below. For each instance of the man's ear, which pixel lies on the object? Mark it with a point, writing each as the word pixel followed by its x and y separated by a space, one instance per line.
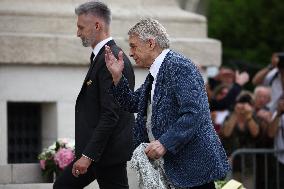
pixel 152 43
pixel 97 26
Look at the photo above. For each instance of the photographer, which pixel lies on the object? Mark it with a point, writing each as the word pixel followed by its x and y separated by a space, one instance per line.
pixel 272 75
pixel 241 128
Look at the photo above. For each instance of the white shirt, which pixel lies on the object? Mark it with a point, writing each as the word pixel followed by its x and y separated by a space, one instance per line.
pixel 100 45
pixel 276 88
pixel 154 69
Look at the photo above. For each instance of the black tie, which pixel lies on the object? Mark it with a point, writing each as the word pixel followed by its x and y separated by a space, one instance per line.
pixel 149 82
pixel 92 57
pixel 149 88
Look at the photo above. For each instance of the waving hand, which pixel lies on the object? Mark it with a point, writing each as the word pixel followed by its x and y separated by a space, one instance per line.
pixel 115 66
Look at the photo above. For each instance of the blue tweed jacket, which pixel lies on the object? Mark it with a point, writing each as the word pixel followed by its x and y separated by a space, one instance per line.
pixel 181 122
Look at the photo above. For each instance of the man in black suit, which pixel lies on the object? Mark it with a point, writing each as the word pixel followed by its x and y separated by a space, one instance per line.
pixel 103 131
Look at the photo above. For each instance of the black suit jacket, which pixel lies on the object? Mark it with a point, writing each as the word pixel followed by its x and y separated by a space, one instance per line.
pixel 103 131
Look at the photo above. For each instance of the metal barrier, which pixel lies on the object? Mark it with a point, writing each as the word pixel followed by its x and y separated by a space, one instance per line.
pixel 254 152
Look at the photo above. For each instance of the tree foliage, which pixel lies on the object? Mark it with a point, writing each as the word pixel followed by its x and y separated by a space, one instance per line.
pixel 250 30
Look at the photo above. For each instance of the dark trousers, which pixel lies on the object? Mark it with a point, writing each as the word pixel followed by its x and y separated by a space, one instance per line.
pixel 209 185
pixel 108 177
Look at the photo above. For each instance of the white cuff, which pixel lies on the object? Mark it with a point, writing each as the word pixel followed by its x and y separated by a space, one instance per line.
pixel 87 157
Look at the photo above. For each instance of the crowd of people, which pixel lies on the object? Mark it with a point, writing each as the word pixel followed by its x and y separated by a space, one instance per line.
pixel 249 119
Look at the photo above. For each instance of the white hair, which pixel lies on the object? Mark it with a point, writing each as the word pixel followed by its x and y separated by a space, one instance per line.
pixel 151 29
pixel 261 88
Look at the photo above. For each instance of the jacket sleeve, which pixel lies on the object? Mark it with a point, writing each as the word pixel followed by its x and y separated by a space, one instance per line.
pixel 128 99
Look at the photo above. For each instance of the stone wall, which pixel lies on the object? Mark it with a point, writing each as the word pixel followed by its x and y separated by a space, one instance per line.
pixel 43 32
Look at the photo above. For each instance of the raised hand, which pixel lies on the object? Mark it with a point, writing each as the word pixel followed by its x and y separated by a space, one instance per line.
pixel 115 66
pixel 241 78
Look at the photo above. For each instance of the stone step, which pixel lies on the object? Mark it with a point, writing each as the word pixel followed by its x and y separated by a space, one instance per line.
pixel 26 186
pixel 20 173
pixel 93 185
pixel 66 49
pixel 57 17
pixel 28 176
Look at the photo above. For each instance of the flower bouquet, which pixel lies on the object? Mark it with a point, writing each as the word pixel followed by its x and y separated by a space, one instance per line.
pixel 56 157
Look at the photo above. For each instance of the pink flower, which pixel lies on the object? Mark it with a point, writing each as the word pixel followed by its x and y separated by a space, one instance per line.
pixel 42 164
pixel 63 157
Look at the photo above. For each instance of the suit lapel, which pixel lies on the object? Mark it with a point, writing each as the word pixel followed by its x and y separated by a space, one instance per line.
pixel 110 43
pixel 158 88
pixel 93 63
pixel 146 93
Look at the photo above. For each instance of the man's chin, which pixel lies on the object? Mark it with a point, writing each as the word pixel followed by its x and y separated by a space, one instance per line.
pixel 85 45
pixel 140 65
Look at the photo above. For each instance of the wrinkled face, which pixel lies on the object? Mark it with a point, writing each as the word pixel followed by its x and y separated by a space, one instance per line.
pixel 262 97
pixel 140 51
pixel 86 24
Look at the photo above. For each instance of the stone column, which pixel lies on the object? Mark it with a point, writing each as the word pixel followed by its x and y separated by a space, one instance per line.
pixel 3 132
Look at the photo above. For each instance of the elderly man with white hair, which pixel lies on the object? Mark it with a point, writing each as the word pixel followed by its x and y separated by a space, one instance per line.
pixel 262 96
pixel 172 109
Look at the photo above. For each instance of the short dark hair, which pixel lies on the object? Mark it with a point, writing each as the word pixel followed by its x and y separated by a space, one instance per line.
pixel 95 8
pixel 245 98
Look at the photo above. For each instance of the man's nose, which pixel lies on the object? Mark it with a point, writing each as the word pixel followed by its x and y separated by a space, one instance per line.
pixel 78 33
pixel 130 53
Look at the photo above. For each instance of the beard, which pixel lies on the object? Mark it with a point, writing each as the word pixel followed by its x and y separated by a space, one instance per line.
pixel 87 42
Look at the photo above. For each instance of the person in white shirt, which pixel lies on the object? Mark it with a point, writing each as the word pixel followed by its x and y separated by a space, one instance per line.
pixel 273 76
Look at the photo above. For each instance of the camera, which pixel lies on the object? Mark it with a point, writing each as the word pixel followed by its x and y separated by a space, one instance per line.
pixel 280 56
